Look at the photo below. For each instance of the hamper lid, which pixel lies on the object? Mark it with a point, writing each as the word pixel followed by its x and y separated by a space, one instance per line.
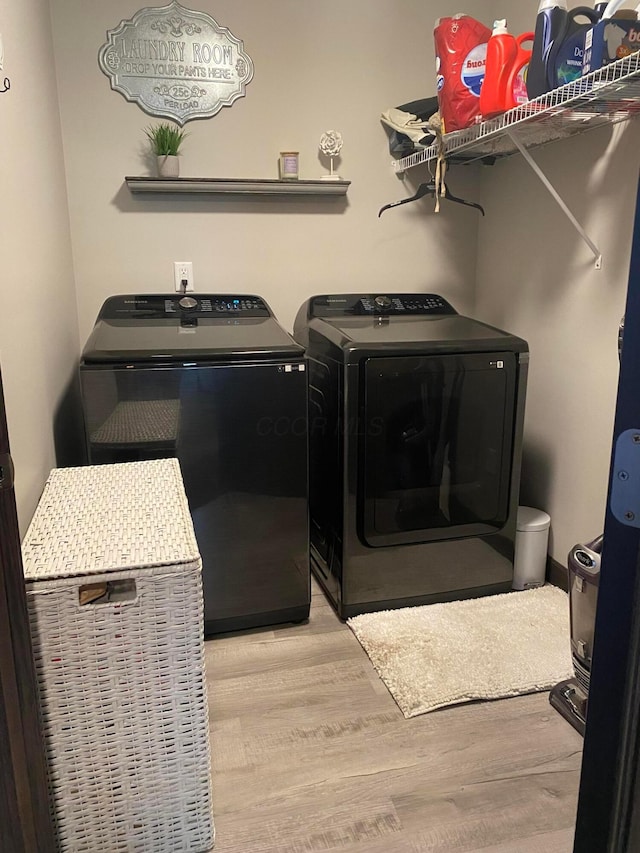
pixel 531 519
pixel 106 518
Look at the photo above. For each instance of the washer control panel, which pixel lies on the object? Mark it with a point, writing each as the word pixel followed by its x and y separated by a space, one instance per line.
pixel 158 306
pixel 398 304
pixel 248 306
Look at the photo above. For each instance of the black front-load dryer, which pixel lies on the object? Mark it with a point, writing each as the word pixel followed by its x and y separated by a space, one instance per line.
pixel 415 433
pixel 215 381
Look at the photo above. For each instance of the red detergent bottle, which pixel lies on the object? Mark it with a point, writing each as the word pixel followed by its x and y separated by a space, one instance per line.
pixel 516 92
pixel 502 50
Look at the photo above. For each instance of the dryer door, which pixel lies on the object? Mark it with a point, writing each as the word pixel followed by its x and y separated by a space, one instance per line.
pixel 436 446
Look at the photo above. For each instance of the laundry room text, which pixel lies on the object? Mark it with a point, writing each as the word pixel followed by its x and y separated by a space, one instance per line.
pixel 177 65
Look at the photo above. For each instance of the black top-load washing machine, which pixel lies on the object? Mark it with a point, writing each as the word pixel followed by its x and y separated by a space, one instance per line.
pixel 215 381
pixel 415 432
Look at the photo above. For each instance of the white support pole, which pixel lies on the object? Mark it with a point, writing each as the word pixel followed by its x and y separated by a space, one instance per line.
pixel 527 156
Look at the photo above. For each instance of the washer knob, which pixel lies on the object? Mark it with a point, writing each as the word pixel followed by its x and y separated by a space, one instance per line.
pixel 188 302
pixel 382 301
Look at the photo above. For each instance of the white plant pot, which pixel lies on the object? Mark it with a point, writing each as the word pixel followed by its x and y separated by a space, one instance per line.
pixel 168 166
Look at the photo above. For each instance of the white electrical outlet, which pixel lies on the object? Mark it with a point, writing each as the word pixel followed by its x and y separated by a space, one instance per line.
pixel 183 271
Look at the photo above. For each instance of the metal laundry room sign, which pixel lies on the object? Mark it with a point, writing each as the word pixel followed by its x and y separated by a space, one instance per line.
pixel 175 62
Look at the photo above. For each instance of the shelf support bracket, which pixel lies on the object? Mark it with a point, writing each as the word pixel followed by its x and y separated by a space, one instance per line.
pixel 532 163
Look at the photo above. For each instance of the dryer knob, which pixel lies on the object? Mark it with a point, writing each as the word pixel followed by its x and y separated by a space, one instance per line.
pixel 188 302
pixel 382 301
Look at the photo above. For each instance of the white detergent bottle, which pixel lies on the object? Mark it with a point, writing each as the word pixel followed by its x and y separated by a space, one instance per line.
pixel 612 7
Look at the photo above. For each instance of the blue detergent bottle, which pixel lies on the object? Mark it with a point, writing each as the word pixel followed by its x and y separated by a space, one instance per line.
pixel 567 52
pixel 549 23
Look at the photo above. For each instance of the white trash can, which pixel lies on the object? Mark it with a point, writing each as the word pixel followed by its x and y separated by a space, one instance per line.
pixel 532 538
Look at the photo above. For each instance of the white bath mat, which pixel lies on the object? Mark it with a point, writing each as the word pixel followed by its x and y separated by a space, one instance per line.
pixel 481 648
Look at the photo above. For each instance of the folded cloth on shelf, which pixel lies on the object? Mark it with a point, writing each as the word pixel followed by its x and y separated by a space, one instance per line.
pixel 401 146
pixel 407 123
pixel 423 108
pixel 413 126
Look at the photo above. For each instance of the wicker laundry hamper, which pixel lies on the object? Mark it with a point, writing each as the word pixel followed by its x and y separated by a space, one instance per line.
pixel 114 589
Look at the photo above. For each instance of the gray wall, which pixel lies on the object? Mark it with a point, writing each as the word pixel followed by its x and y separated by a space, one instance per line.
pixel 536 277
pixel 38 321
pixel 317 66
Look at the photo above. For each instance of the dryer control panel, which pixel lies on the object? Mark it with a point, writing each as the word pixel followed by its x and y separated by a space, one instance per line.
pixel 360 304
pixel 159 306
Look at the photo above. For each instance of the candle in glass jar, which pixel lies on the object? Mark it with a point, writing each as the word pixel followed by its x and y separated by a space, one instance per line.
pixel 289 165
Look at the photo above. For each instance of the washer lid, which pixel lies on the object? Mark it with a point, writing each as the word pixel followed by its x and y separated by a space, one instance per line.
pixel 423 322
pixel 385 331
pixel 155 328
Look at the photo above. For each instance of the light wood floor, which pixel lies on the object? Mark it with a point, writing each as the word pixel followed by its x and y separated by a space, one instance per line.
pixel 311 753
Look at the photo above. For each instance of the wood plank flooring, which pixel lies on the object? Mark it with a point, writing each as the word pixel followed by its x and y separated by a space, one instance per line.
pixel 311 753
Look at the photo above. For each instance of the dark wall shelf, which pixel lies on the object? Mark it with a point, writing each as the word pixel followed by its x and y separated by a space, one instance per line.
pixel 237 186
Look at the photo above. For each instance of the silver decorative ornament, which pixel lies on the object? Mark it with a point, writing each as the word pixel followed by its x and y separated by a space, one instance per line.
pixel 331 146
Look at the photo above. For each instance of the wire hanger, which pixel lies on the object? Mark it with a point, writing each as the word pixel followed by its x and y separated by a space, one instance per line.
pixel 431 188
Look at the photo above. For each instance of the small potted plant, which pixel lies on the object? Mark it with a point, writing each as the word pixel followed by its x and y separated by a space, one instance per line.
pixel 166 140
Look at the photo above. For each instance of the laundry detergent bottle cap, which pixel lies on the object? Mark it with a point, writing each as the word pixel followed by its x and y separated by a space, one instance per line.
pixel 501 54
pixel 549 23
pixel 551 4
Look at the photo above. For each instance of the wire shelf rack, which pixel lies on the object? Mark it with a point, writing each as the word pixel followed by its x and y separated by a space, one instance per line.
pixel 603 97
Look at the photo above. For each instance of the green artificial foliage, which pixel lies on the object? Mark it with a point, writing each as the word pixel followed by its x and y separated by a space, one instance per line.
pixel 165 138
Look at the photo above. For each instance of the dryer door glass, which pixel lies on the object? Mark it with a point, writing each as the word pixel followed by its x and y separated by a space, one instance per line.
pixel 436 446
